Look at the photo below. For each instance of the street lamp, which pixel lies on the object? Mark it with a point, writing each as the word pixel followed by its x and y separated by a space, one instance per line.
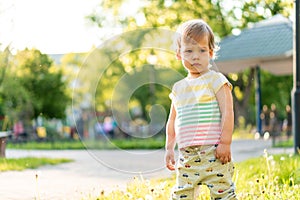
pixel 296 72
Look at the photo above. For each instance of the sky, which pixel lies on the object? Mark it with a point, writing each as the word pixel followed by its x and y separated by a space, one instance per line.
pixel 52 26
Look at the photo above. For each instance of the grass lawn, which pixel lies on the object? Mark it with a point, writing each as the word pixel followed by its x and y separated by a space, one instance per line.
pixel 18 164
pixel 265 178
pixel 285 143
pixel 269 177
pixel 149 143
pixel 134 143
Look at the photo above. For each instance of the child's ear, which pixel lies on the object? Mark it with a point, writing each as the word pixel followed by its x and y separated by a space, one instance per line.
pixel 178 56
pixel 211 54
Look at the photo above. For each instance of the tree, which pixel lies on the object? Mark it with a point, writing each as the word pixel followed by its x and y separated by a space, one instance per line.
pixel 5 58
pixel 44 83
pixel 257 10
pixel 245 14
pixel 163 14
pixel 70 65
pixel 4 65
pixel 111 67
pixel 223 18
pixel 14 98
pixel 242 91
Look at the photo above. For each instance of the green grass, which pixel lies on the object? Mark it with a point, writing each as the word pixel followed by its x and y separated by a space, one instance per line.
pixel 285 143
pixel 18 164
pixel 269 177
pixel 45 145
pixel 264 178
pixel 149 143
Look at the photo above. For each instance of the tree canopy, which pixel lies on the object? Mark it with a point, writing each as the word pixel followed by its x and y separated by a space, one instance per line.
pixel 32 87
pixel 225 18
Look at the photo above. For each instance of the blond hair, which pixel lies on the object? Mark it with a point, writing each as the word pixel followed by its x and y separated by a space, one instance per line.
pixel 194 30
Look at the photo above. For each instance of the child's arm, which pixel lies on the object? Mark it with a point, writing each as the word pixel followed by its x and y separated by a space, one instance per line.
pixel 170 139
pixel 224 97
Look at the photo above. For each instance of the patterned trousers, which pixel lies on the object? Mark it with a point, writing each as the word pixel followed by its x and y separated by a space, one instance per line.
pixel 198 166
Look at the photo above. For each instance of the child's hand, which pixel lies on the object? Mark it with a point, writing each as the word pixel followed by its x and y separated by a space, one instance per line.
pixel 223 153
pixel 170 161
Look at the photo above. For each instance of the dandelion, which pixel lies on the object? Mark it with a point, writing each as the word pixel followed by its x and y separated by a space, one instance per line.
pixel 129 195
pixel 148 197
pixel 147 182
pixel 102 193
pixel 37 188
pixel 273 163
pixel 162 185
pixel 141 176
pixel 265 153
pixel 270 158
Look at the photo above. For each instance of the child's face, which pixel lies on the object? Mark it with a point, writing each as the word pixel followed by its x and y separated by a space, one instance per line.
pixel 195 56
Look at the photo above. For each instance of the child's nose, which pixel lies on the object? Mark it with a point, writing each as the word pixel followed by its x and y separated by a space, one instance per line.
pixel 195 56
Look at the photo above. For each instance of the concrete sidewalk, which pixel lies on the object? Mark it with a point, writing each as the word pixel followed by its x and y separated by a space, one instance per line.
pixel 95 171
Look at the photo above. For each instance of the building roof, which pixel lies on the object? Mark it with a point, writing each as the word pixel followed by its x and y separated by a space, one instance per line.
pixel 268 44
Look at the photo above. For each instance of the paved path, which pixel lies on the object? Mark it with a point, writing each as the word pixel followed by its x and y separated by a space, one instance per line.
pixel 94 171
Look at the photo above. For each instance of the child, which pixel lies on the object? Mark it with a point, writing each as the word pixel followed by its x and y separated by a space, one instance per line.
pixel 201 119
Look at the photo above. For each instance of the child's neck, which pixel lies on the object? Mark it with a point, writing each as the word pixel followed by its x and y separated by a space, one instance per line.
pixel 192 75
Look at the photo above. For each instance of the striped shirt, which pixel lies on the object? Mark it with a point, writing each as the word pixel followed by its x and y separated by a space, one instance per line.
pixel 198 118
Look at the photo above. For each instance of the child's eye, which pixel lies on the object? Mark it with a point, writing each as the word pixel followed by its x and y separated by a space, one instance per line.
pixel 188 51
pixel 203 50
